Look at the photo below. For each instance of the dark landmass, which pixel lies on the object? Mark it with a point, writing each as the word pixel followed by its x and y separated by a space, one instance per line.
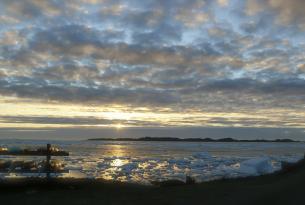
pixel 284 187
pixel 174 139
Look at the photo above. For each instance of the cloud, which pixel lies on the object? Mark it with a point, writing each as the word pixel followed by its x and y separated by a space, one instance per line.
pixel 183 55
pixel 223 3
pixel 68 121
pixel 286 12
pixel 2 74
pixel 251 27
pixel 63 91
pixel 31 8
pixel 90 65
pixel 282 86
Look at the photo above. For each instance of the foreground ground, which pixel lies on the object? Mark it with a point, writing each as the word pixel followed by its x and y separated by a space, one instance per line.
pixel 282 188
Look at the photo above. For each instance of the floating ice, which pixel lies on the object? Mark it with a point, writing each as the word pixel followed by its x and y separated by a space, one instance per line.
pixel 256 166
pixel 202 155
pixel 143 162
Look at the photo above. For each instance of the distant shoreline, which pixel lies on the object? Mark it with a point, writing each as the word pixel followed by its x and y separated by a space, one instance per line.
pixel 173 139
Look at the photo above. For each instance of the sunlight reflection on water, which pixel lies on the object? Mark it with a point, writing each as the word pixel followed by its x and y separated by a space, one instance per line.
pixel 148 161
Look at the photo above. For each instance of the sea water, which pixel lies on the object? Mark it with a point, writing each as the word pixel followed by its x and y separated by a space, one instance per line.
pixel 143 162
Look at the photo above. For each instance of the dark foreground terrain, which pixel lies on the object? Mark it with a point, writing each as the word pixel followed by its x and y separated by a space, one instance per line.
pixel 285 187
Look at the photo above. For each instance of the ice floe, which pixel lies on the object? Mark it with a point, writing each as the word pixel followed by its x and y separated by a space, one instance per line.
pixel 146 162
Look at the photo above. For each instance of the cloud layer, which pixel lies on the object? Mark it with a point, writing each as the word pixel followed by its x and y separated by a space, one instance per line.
pixel 204 56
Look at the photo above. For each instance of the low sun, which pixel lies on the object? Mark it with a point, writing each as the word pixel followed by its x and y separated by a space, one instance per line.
pixel 118 126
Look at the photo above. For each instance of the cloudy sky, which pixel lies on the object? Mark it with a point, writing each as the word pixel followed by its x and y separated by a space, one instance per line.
pixel 152 64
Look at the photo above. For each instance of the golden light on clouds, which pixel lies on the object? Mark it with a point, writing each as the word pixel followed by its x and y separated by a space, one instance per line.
pixel 138 64
pixel 33 114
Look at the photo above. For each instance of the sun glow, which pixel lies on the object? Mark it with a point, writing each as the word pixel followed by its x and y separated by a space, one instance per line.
pixel 27 113
pixel 118 126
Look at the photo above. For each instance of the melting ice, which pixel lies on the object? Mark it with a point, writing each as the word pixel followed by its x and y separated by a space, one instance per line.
pixel 143 162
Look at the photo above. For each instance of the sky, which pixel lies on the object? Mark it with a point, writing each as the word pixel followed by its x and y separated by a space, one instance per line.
pixel 152 65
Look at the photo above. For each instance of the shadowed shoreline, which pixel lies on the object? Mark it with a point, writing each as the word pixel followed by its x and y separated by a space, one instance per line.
pixel 283 187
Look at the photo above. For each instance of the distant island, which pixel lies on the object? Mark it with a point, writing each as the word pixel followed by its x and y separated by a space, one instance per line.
pixel 174 139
